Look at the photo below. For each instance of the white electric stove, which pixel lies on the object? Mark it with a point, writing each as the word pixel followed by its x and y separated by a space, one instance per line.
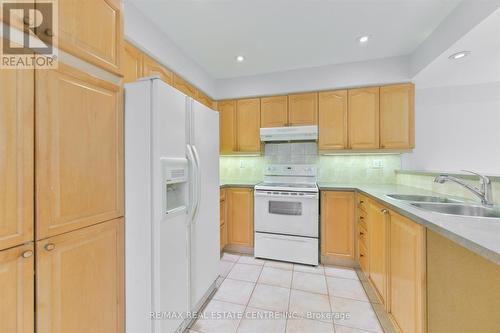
pixel 286 214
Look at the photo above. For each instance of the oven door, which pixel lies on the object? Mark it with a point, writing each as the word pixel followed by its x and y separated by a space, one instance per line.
pixel 289 213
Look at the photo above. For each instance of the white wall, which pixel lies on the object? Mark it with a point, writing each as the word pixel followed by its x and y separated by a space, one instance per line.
pixel 374 72
pixel 145 35
pixel 457 127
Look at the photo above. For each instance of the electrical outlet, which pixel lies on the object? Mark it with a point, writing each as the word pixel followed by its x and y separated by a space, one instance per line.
pixel 377 164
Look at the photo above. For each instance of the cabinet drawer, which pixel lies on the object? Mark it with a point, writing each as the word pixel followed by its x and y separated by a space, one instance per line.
pixel 362 219
pixel 363 257
pixel 363 235
pixel 362 202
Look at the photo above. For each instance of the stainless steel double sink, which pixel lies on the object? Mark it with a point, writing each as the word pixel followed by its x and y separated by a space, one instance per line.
pixel 444 205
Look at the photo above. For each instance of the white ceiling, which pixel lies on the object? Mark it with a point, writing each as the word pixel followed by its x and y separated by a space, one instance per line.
pixel 481 66
pixel 278 35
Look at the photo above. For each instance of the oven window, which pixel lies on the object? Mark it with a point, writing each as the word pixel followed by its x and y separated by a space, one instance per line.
pixel 285 208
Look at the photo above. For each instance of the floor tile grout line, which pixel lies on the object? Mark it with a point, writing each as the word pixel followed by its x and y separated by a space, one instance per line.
pixel 289 299
pixel 359 329
pixel 248 302
pixel 329 302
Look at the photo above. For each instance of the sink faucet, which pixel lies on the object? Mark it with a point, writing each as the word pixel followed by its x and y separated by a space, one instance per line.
pixel 483 192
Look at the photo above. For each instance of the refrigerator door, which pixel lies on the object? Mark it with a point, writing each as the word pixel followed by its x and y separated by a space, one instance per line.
pixel 205 228
pixel 170 233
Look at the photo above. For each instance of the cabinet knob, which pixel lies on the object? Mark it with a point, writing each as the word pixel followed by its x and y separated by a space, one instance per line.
pixel 49 247
pixel 361 255
pixel 384 210
pixel 49 32
pixel 361 233
pixel 27 254
pixel 361 218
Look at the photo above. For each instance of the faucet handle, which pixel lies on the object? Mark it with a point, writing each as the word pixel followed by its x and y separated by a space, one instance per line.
pixel 484 179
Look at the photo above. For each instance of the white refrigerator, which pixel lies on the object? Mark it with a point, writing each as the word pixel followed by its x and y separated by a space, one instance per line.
pixel 171 206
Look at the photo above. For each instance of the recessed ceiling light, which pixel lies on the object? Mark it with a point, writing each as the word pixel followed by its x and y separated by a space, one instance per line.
pixel 363 39
pixel 240 58
pixel 459 55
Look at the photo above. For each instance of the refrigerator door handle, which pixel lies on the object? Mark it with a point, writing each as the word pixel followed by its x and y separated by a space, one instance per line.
pixel 198 183
pixel 193 184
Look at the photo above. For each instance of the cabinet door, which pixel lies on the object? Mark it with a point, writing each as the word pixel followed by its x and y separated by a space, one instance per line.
pixel 274 111
pixel 227 124
pixel 184 86
pixel 407 274
pixel 363 122
pixel 333 119
pixel 377 252
pixel 93 31
pixel 397 127
pixel 337 224
pixel 80 280
pixel 248 125
pixel 16 161
pixel 303 109
pixel 79 151
pixel 152 67
pixel 17 292
pixel 131 63
pixel 240 216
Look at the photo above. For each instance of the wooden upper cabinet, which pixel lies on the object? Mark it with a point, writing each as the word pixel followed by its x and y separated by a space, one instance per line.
pixel 397 127
pixel 407 274
pixel 333 119
pixel 204 99
pixel 248 125
pixel 80 280
pixel 17 289
pixel 152 67
pixel 303 109
pixel 240 216
pixel 363 118
pixel 132 59
pixel 79 151
pixel 274 111
pixel 337 224
pixel 377 251
pixel 184 86
pixel 227 126
pixel 16 161
pixel 93 31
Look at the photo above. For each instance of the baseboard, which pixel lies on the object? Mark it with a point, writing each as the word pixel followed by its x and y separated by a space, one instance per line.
pixel 238 249
pixel 331 260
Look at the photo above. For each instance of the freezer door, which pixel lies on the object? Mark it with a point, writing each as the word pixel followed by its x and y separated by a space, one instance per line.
pixel 170 237
pixel 205 233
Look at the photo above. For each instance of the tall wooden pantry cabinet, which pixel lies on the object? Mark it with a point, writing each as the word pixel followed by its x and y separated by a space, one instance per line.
pixel 61 181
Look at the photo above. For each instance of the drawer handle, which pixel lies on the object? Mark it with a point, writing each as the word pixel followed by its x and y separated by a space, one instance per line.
pixel 49 247
pixel 27 254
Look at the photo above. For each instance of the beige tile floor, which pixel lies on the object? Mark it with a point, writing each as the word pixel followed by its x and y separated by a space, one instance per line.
pixel 256 295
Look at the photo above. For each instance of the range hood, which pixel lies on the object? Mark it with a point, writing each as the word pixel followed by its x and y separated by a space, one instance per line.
pixel 293 133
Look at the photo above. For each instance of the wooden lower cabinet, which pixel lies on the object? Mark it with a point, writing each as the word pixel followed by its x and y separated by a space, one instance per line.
pixel 407 274
pixel 337 224
pixel 240 216
pixel 223 224
pixel 16 156
pixel 17 290
pixel 377 248
pixel 80 280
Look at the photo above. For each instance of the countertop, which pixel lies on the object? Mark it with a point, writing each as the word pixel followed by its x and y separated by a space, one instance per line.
pixel 477 234
pixel 224 184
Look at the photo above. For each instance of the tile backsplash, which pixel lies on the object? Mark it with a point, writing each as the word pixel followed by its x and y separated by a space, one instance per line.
pixel 342 169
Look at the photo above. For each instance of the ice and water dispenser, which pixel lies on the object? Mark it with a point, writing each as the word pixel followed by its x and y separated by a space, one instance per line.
pixel 175 174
